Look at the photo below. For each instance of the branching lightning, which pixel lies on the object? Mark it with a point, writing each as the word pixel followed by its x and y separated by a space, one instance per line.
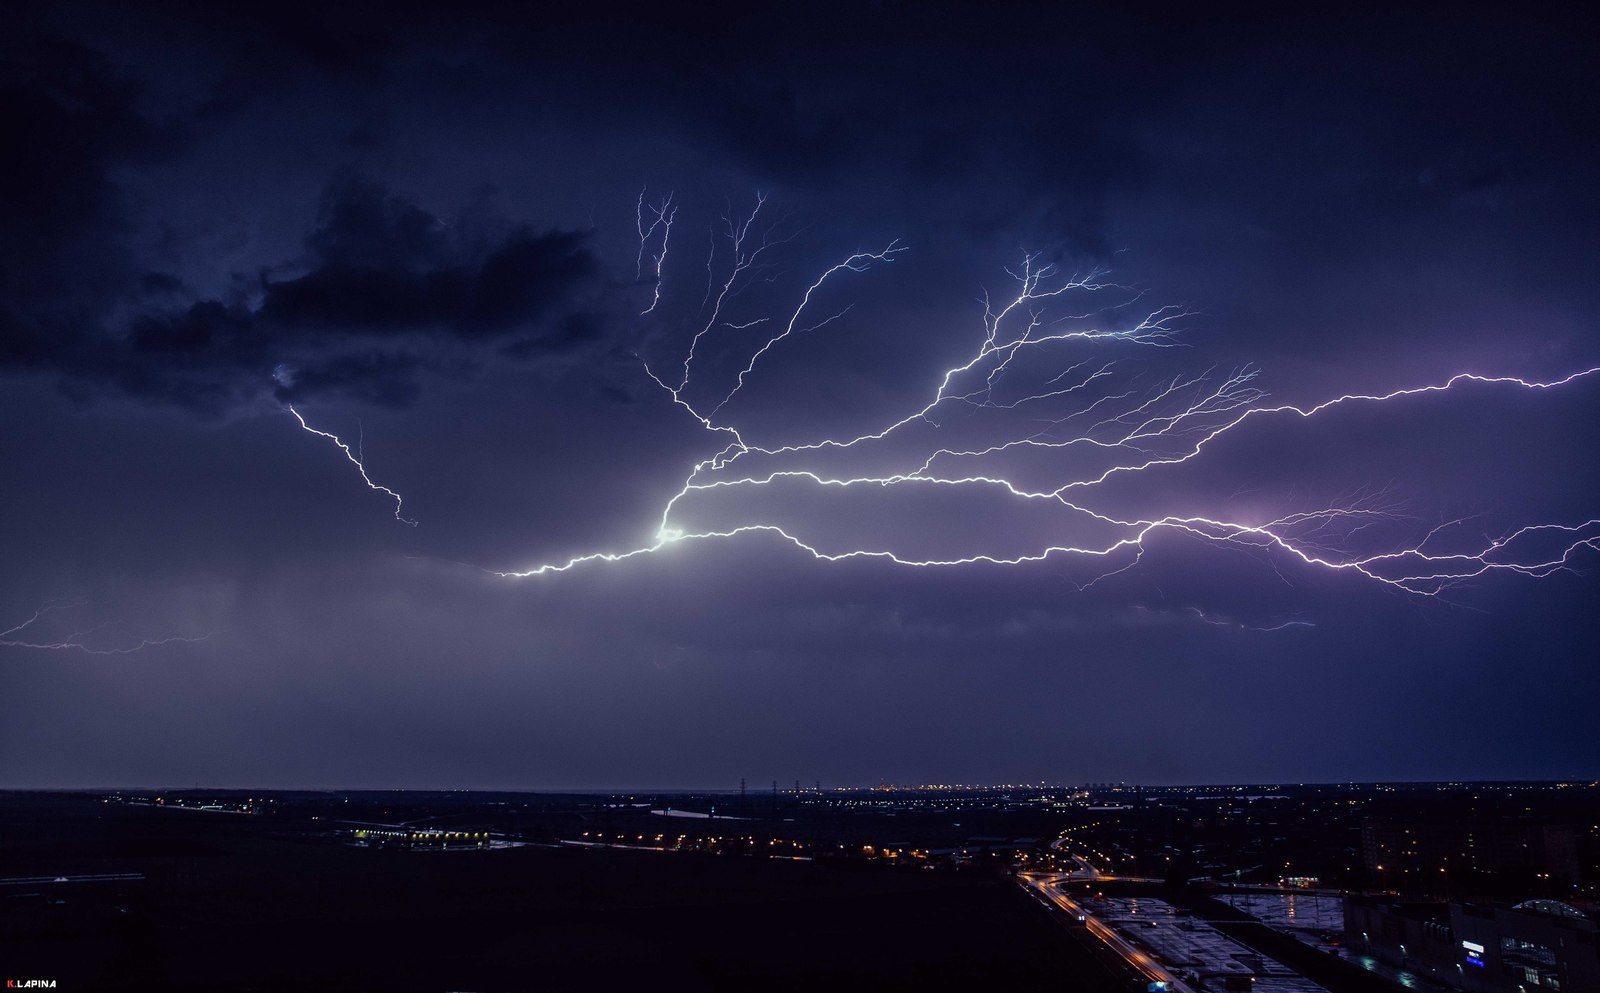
pixel 1093 421
pixel 356 460
pixel 1219 621
pixel 19 636
pixel 662 215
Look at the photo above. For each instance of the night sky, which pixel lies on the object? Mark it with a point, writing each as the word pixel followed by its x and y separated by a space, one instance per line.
pixel 422 229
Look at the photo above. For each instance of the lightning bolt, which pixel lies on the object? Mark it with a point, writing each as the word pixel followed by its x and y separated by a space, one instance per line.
pixel 17 636
pixel 662 213
pixel 356 461
pixel 1092 419
pixel 1023 394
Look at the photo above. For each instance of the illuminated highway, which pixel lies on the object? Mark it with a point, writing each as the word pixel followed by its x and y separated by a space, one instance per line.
pixel 1045 884
pixel 1086 870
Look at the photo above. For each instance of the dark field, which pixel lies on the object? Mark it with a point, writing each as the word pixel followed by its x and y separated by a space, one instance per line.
pixel 251 903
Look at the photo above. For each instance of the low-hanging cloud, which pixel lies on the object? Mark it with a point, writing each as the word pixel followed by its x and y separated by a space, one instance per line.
pixel 383 291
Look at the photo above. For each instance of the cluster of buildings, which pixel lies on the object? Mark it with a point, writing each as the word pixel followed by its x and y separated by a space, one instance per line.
pixel 1531 947
pixel 1450 856
pixel 1435 869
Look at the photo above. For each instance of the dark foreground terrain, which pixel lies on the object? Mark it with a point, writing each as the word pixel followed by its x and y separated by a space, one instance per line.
pixel 239 902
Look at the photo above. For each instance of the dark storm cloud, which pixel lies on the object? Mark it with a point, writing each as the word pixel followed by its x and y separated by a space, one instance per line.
pixel 66 118
pixel 383 291
pixel 382 266
pixel 384 283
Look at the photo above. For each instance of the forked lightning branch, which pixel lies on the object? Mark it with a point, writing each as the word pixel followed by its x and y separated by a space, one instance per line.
pixel 1038 385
